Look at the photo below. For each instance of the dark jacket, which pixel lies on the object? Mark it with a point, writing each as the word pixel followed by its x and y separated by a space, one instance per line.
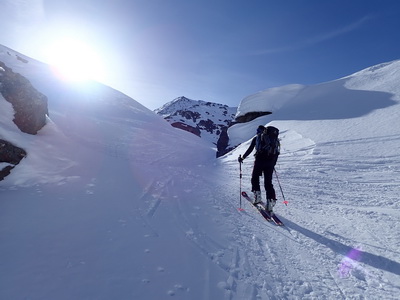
pixel 251 147
pixel 260 156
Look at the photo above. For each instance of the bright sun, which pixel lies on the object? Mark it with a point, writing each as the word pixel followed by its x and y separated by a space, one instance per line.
pixel 75 60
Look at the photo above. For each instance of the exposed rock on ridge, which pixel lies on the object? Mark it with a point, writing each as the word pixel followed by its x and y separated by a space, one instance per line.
pixel 30 106
pixel 30 110
pixel 10 156
pixel 251 116
pixel 204 119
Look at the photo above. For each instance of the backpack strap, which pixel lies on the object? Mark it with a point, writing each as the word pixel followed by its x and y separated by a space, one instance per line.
pixel 259 143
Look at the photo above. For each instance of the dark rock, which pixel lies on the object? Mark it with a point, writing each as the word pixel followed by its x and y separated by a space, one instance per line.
pixel 22 59
pixel 30 106
pixel 186 127
pixel 222 144
pixel 10 154
pixel 251 116
pixel 209 126
pixel 5 172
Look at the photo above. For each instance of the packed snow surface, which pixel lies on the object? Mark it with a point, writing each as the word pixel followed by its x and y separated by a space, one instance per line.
pixel 113 203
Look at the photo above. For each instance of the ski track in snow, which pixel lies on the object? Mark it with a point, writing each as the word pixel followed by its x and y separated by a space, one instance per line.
pixel 305 259
pixel 317 235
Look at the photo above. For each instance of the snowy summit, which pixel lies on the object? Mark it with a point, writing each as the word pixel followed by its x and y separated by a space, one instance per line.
pixel 204 119
pixel 111 202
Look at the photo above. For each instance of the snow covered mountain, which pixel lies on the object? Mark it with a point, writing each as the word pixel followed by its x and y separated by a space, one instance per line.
pixel 110 203
pixel 366 93
pixel 204 119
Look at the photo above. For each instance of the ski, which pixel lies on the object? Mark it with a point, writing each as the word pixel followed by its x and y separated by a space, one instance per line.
pixel 275 219
pixel 260 207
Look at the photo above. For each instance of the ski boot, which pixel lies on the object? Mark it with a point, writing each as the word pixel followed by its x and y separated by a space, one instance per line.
pixel 257 197
pixel 270 205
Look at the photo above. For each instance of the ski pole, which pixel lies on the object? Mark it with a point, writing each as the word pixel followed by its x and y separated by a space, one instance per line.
pixel 240 185
pixel 277 178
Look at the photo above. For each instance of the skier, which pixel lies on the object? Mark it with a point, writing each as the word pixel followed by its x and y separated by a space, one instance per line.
pixel 267 151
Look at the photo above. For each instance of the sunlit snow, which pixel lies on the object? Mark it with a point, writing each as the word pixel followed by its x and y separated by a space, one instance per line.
pixel 114 203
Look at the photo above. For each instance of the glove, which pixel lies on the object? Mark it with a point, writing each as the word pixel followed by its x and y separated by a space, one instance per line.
pixel 240 159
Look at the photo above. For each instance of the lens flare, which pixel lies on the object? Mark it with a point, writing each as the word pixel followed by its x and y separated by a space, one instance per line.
pixel 349 262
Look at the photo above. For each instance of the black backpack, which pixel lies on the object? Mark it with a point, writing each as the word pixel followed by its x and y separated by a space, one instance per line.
pixel 267 142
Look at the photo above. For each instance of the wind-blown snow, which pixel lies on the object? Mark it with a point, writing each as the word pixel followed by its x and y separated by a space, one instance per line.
pixel 113 203
pixel 269 100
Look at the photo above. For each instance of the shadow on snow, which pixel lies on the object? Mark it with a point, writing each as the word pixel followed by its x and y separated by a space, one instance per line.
pixel 376 261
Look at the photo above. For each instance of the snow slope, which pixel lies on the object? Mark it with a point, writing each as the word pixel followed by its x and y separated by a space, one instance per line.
pixel 113 203
pixel 340 172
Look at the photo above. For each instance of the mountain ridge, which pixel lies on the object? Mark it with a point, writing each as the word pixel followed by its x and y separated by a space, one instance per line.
pixel 202 118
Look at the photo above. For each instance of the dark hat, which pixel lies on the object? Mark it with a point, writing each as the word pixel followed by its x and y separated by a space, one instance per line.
pixel 260 129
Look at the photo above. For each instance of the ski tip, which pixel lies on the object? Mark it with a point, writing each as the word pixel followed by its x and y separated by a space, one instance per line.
pixel 240 209
pixel 244 194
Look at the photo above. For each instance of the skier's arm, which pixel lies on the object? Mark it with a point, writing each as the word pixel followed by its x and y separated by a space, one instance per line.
pixel 250 149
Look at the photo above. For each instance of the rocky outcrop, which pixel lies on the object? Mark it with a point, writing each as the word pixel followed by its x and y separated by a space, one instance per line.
pixel 30 106
pixel 10 156
pixel 183 126
pixel 223 142
pixel 251 116
pixel 30 110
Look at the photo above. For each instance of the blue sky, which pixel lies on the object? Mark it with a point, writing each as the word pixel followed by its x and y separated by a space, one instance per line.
pixel 213 50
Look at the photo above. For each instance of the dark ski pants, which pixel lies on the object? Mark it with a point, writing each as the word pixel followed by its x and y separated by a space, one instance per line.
pixel 266 168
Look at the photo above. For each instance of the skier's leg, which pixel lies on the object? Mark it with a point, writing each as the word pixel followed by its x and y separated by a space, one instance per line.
pixel 255 182
pixel 269 187
pixel 255 177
